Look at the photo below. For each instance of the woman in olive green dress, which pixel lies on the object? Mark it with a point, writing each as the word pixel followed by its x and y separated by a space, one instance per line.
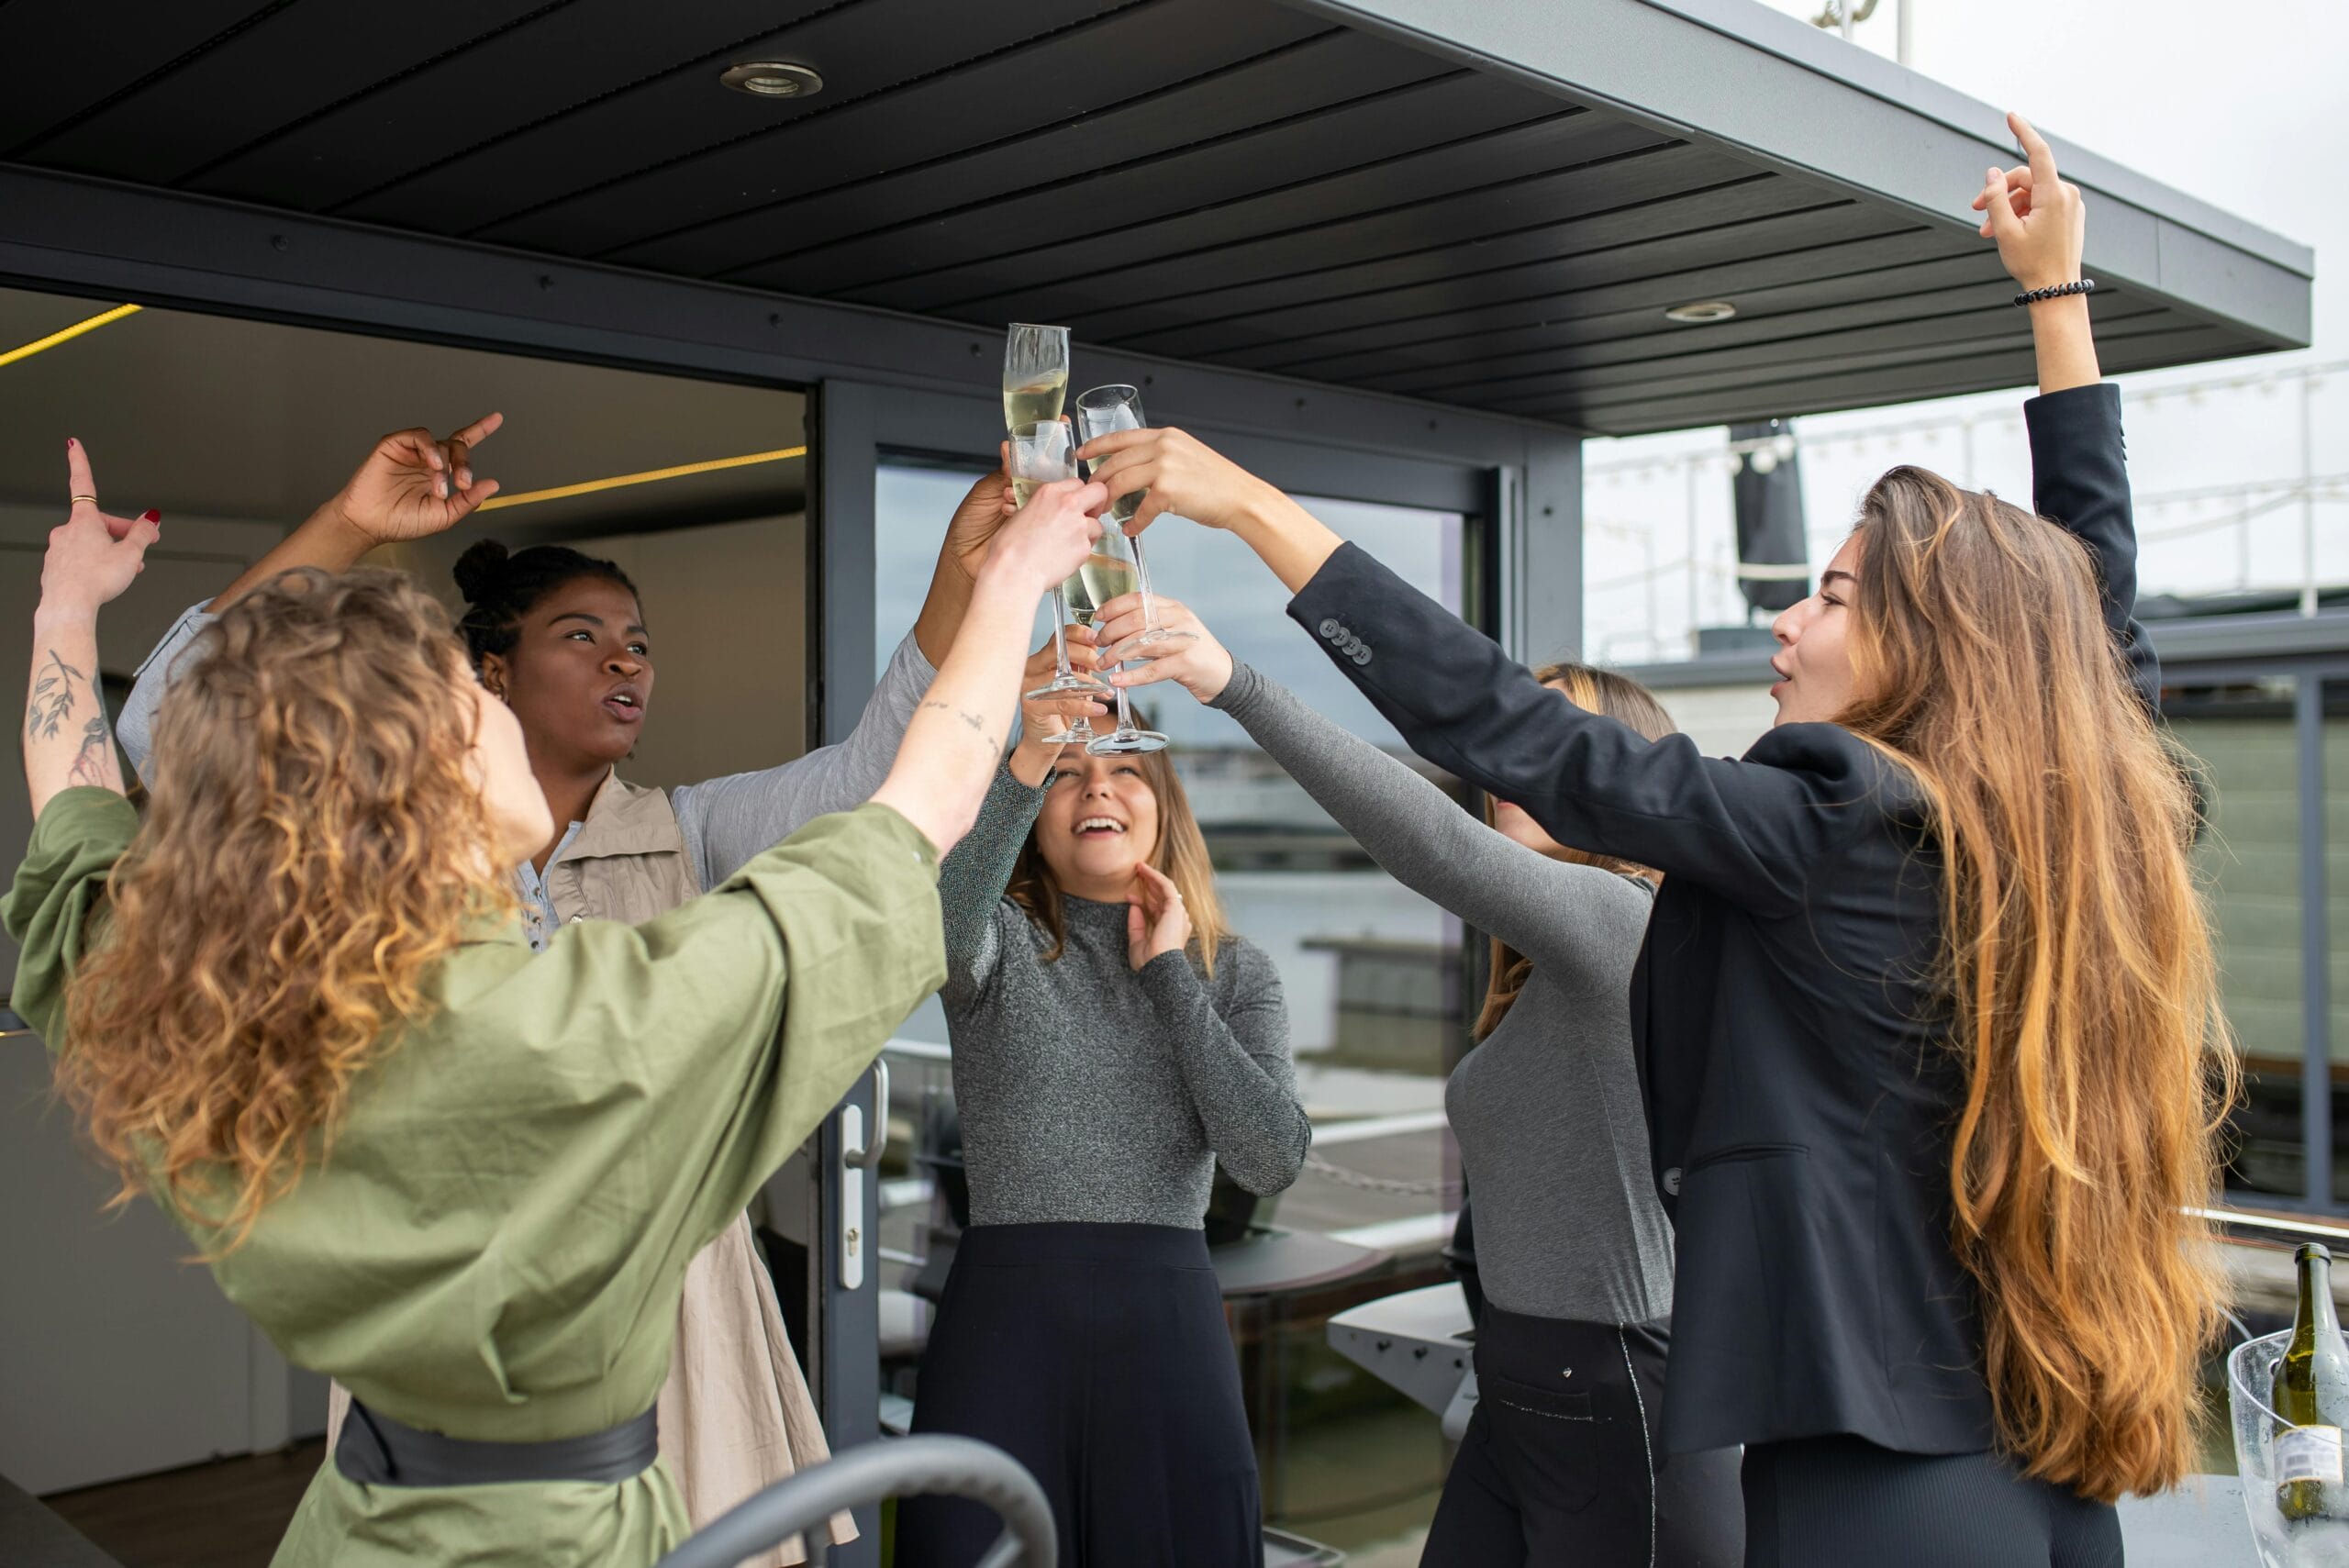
pixel 296 1007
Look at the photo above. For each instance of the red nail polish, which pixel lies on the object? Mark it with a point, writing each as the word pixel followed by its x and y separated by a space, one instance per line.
pixel 151 516
pixel 70 443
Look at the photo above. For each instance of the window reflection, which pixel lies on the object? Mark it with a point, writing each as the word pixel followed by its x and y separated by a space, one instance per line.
pixel 2242 744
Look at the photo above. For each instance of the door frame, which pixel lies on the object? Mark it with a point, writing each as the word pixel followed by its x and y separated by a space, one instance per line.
pixel 877 381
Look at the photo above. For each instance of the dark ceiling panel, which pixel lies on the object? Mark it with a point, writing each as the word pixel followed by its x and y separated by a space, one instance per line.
pixel 1953 322
pixel 59 59
pixel 979 132
pixel 1596 335
pixel 1360 309
pixel 911 259
pixel 1318 189
pixel 2179 341
pixel 861 48
pixel 566 56
pixel 1941 340
pixel 294 61
pixel 1294 240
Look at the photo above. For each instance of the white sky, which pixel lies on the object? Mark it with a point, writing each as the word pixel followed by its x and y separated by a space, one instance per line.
pixel 2245 106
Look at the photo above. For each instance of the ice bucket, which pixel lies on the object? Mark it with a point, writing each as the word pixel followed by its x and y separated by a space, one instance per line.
pixel 2283 1543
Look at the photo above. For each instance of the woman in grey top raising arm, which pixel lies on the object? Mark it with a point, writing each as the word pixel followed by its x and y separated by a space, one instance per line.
pixel 1112 1041
pixel 1575 1253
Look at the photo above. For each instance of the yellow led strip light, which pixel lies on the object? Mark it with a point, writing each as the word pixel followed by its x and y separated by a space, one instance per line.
pixel 67 333
pixel 588 487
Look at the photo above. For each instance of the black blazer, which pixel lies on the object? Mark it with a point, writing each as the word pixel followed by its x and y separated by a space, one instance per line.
pixel 1799 1097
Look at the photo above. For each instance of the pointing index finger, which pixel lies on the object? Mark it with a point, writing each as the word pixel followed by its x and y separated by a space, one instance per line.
pixel 2035 145
pixel 77 472
pixel 480 429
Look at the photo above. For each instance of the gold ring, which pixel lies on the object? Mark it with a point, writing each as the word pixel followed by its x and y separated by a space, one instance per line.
pixel 77 500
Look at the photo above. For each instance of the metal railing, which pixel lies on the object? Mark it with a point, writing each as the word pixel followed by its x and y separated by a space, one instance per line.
pixel 900 1467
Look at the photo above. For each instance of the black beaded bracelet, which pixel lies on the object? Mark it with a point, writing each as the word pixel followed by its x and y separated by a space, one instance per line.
pixel 2056 291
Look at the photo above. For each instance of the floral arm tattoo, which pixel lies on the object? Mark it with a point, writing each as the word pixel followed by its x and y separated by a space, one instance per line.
pixel 68 742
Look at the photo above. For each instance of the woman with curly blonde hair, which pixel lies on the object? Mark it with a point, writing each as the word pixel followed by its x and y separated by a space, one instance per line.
pixel 296 1006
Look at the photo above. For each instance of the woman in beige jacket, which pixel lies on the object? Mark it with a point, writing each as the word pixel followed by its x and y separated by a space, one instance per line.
pixel 560 639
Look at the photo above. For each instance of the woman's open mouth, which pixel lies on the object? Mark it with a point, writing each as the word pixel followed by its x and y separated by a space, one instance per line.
pixel 1099 827
pixel 626 704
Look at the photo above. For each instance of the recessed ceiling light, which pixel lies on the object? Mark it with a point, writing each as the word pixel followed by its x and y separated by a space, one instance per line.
pixel 774 79
pixel 1702 310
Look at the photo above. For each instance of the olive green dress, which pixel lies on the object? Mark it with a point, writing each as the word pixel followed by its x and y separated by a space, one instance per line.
pixel 495 1248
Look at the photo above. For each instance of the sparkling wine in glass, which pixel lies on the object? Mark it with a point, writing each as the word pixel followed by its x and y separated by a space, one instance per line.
pixel 1112 569
pixel 1100 411
pixel 1042 451
pixel 1035 374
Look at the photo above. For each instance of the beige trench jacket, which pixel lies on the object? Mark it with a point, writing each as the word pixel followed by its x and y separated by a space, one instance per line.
pixel 736 1414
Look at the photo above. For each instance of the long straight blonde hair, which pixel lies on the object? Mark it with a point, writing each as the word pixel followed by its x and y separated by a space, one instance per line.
pixel 1594 691
pixel 2083 1002
pixel 1180 855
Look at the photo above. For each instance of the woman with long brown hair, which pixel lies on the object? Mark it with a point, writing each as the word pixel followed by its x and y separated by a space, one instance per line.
pixel 295 1004
pixel 1934 1061
pixel 1560 1462
pixel 1114 1040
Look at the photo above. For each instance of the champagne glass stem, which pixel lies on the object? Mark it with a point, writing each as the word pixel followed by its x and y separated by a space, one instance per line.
pixel 1060 630
pixel 1142 580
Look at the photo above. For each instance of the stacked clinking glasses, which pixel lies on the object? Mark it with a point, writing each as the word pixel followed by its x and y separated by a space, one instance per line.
pixel 1035 384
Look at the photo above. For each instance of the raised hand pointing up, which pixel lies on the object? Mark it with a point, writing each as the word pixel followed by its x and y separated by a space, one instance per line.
pixel 412 484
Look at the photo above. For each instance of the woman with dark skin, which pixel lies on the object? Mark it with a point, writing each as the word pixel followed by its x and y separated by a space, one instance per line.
pixel 560 639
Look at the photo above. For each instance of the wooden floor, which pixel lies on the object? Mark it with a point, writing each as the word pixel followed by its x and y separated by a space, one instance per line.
pixel 228 1514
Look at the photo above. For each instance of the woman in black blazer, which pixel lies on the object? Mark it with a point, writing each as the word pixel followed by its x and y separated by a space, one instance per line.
pixel 1924 1002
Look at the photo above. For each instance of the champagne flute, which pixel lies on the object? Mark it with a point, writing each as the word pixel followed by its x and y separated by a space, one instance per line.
pixel 1041 453
pixel 1100 411
pixel 1035 373
pixel 1112 569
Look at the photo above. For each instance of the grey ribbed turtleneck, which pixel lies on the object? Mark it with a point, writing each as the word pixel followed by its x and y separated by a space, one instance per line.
pixel 1547 1109
pixel 1090 1090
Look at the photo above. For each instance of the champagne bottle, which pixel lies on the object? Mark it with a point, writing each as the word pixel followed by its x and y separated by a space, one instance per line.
pixel 2311 1393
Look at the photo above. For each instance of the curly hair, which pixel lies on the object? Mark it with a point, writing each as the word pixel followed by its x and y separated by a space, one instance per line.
pixel 316 840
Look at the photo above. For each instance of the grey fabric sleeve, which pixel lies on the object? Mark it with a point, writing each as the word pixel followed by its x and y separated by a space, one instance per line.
pixel 136 725
pixel 1237 1065
pixel 971 881
pixel 1577 922
pixel 728 820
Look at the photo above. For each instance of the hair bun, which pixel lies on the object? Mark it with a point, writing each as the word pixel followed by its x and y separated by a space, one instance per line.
pixel 478 570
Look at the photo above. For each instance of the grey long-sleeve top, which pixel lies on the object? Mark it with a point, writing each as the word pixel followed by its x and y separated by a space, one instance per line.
pixel 1090 1090
pixel 725 821
pixel 1547 1109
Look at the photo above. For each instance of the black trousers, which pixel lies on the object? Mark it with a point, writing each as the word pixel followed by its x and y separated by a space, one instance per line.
pixel 1842 1502
pixel 1561 1467
pixel 1097 1356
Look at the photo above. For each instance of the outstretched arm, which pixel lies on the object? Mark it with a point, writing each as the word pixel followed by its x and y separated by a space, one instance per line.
pixel 958 734
pixel 410 486
pixel 92 558
pixel 2079 464
pixel 1582 924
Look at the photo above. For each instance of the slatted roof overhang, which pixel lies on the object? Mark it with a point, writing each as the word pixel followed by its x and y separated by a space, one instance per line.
pixel 1488 204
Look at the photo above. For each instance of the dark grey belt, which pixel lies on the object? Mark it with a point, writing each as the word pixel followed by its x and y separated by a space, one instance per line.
pixel 376 1451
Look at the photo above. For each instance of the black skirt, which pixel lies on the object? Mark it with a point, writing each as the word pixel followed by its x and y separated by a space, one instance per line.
pixel 1097 1356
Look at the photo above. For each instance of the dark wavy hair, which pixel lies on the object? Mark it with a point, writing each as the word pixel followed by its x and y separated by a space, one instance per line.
pixel 500 589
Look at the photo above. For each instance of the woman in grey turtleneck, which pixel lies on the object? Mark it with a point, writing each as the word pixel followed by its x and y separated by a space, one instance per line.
pixel 1112 1041
pixel 1575 1253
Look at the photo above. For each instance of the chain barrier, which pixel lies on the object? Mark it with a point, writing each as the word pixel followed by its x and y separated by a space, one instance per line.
pixel 1369 1184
